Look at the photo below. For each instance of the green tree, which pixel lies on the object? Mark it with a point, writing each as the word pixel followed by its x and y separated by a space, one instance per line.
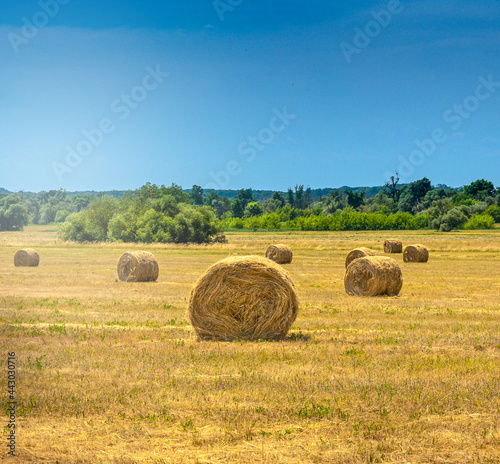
pixel 33 206
pixel 76 228
pixel 13 214
pixel 253 209
pixel 245 196
pixel 196 195
pixel 355 199
pixel 299 197
pixel 271 205
pixel 48 213
pixel 99 212
pixel 334 201
pixel 479 189
pixel 61 215
pixel 455 218
pixel 237 209
pixel 279 198
pixel 221 205
pixel 419 188
pixel 494 212
pixel 81 201
pixel 412 195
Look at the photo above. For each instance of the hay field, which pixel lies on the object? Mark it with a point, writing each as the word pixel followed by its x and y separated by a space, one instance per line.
pixel 110 372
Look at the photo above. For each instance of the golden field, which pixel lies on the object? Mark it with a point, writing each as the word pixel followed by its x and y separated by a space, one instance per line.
pixel 111 372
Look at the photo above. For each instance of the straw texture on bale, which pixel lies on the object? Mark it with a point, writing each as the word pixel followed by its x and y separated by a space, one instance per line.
pixel 393 246
pixel 243 298
pixel 138 266
pixel 26 257
pixel 415 254
pixel 281 254
pixel 373 275
pixel 359 253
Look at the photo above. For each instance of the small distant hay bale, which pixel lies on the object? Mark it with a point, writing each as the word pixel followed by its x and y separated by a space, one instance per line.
pixel 415 254
pixel 393 246
pixel 373 275
pixel 138 266
pixel 243 298
pixel 26 257
pixel 359 253
pixel 281 254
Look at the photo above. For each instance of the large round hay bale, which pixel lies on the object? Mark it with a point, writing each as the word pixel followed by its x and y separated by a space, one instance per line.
pixel 415 254
pixel 359 253
pixel 373 275
pixel 281 254
pixel 138 266
pixel 393 246
pixel 243 298
pixel 26 257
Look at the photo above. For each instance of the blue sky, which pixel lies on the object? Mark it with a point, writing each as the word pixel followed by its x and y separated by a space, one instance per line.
pixel 102 95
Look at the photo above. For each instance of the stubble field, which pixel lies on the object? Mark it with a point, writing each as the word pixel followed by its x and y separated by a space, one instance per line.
pixel 111 372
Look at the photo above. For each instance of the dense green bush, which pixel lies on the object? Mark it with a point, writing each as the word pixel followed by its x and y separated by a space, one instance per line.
pixel 494 212
pixel 13 214
pixel 455 218
pixel 480 221
pixel 348 219
pixel 152 214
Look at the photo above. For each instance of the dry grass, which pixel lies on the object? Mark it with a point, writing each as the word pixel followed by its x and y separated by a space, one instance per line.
pixel 111 372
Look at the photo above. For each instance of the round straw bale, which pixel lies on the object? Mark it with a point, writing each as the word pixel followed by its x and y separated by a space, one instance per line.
pixel 393 246
pixel 138 266
pixel 281 254
pixel 373 275
pixel 415 254
pixel 26 257
pixel 359 253
pixel 243 298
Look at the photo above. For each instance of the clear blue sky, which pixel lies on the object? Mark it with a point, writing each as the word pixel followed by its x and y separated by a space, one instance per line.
pixel 261 94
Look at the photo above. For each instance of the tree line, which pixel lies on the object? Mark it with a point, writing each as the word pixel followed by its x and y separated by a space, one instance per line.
pixel 169 214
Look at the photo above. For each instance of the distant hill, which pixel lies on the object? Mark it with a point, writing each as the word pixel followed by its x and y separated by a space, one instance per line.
pixel 259 195
pixel 111 193
pixel 316 194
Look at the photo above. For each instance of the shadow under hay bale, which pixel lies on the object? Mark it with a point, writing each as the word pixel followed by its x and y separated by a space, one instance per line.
pixel 393 246
pixel 26 257
pixel 281 254
pixel 138 266
pixel 243 298
pixel 415 254
pixel 359 253
pixel 372 276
